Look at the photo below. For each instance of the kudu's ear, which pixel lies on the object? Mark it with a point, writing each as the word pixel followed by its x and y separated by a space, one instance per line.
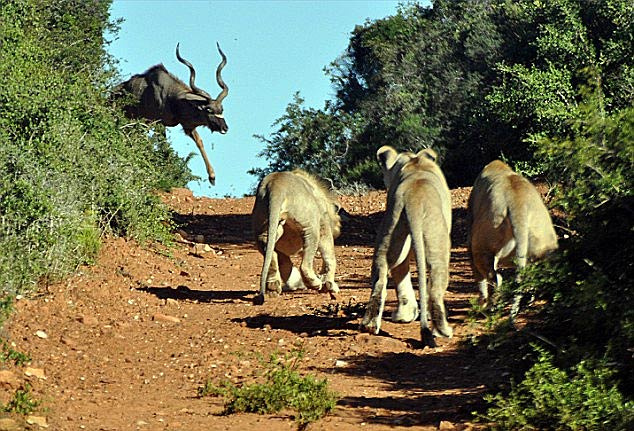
pixel 193 97
pixel 428 153
pixel 386 156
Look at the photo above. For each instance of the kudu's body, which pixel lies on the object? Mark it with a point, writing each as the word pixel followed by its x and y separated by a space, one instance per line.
pixel 157 95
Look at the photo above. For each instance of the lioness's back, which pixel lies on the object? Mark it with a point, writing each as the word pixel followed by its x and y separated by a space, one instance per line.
pixel 499 194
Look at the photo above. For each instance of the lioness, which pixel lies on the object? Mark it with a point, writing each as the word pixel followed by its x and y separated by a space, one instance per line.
pixel 294 211
pixel 418 216
pixel 508 220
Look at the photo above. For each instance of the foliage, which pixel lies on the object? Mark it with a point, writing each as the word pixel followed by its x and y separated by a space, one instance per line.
pixel 7 353
pixel 71 169
pixel 585 291
pixel 473 79
pixel 313 140
pixel 549 398
pixel 22 402
pixel 282 388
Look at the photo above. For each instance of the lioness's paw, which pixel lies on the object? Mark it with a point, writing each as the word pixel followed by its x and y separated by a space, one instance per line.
pixel 330 286
pixel 294 281
pixel 370 327
pixel 443 331
pixel 273 288
pixel 371 324
pixel 405 314
pixel 293 287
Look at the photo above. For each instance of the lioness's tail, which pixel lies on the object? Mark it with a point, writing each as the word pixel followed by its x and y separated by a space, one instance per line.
pixel 275 208
pixel 518 215
pixel 412 210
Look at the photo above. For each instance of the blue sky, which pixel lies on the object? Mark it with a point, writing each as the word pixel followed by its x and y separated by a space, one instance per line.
pixel 274 49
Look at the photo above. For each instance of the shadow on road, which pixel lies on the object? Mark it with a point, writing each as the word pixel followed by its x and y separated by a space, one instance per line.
pixel 181 293
pixel 216 229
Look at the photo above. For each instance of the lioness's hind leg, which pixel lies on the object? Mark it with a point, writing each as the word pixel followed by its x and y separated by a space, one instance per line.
pixel 374 310
pixel 291 278
pixel 482 268
pixel 311 243
pixel 327 249
pixel 439 276
pixel 273 279
pixel 407 309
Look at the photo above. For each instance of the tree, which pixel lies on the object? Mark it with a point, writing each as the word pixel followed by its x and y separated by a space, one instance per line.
pixel 69 171
pixel 476 80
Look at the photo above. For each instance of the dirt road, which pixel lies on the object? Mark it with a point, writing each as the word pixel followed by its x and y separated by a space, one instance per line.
pixel 130 339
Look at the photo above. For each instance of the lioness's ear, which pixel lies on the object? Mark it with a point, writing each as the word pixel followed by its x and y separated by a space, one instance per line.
pixel 428 153
pixel 386 156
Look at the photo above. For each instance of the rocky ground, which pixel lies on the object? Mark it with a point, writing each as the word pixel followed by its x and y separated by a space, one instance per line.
pixel 126 343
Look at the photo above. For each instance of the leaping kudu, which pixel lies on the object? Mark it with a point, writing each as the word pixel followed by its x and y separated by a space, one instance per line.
pixel 157 95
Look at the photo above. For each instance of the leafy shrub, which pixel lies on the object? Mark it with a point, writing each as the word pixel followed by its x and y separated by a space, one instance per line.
pixel 586 289
pixel 22 402
pixel 7 353
pixel 549 398
pixel 72 169
pixel 282 388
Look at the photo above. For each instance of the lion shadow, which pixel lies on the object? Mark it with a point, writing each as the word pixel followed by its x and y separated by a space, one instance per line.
pixel 447 386
pixel 184 293
pixel 215 229
pixel 310 325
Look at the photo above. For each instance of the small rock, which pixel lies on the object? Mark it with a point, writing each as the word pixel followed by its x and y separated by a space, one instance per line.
pixel 141 423
pixel 41 334
pixel 446 426
pixel 37 420
pixel 88 320
pixel 377 342
pixel 8 379
pixel 35 372
pixel 340 364
pixel 68 341
pixel 182 237
pixel 198 250
pixel 158 317
pixel 8 424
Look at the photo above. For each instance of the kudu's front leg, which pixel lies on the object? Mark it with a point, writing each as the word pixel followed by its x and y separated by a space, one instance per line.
pixel 199 143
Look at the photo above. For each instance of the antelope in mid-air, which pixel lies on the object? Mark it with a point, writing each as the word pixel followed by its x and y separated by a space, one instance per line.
pixel 157 95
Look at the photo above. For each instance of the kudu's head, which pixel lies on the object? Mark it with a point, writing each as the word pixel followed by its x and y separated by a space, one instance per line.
pixel 198 108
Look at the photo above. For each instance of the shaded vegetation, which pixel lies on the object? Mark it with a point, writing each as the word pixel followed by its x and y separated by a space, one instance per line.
pixel 71 169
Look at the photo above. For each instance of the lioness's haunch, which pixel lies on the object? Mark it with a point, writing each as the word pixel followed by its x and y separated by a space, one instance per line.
pixel 295 212
pixel 417 220
pixel 509 221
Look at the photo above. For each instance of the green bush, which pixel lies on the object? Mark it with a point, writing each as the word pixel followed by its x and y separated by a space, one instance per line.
pixel 22 402
pixel 585 310
pixel 72 169
pixel 282 388
pixel 549 398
